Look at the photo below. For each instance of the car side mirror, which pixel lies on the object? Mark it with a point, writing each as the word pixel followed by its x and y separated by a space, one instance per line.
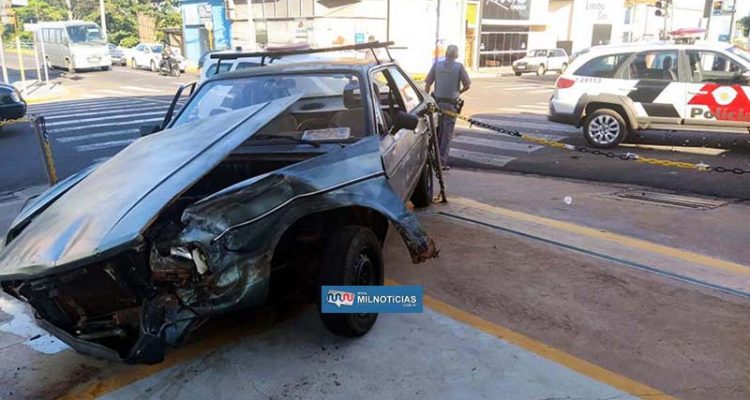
pixel 403 120
pixel 146 130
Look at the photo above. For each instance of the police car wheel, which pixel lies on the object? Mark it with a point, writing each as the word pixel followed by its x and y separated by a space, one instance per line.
pixel 604 128
pixel 351 257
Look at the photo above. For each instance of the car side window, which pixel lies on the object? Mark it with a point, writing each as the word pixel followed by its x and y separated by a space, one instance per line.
pixel 409 95
pixel 654 65
pixel 603 67
pixel 709 66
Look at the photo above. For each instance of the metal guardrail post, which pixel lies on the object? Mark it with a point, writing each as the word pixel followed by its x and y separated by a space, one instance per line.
pixel 40 126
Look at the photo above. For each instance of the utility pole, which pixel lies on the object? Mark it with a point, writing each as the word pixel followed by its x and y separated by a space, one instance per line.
pixel 731 22
pixel 437 33
pixel 104 20
pixel 388 21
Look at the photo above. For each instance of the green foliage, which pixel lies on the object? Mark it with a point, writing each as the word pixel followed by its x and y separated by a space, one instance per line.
pixel 121 15
pixel 129 41
pixel 744 22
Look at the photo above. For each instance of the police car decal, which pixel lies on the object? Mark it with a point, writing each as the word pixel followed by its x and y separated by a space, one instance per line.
pixel 721 102
pixel 655 98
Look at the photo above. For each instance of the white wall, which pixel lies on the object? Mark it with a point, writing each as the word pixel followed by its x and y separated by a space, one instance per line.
pixel 584 18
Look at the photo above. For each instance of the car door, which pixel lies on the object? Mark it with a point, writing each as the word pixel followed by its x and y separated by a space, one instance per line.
pixel 403 151
pixel 658 91
pixel 716 95
pixel 141 55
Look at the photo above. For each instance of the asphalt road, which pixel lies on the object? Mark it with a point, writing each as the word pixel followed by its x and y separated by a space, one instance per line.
pixel 110 106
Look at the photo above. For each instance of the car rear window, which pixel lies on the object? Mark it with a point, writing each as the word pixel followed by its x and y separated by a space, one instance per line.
pixel 603 67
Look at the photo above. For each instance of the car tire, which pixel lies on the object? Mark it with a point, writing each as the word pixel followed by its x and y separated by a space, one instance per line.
pixel 133 64
pixel 351 257
pixel 69 67
pixel 563 68
pixel 153 66
pixel 106 68
pixel 518 74
pixel 605 128
pixel 541 70
pixel 422 196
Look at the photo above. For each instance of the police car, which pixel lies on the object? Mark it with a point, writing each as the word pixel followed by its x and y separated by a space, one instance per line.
pixel 611 91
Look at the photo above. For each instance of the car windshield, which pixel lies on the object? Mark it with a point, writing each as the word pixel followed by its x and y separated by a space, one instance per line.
pixel 537 53
pixel 85 34
pixel 330 106
pixel 744 54
pixel 156 48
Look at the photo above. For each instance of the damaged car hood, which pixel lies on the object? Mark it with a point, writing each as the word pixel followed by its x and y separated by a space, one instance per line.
pixel 109 209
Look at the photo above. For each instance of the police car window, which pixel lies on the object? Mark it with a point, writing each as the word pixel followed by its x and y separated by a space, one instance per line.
pixel 409 95
pixel 709 66
pixel 602 67
pixel 654 65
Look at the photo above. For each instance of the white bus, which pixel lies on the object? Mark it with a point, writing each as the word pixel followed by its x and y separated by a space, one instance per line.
pixel 74 45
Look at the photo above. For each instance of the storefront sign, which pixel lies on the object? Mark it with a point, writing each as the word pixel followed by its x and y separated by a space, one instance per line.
pixel 506 9
pixel 596 5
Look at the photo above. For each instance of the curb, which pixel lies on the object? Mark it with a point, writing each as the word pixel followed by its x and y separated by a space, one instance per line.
pixel 47 99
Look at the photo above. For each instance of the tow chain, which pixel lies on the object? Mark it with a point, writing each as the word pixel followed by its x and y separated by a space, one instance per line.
pixel 702 167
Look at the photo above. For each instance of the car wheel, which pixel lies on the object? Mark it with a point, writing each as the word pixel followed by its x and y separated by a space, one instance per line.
pixel 605 128
pixel 541 70
pixel 351 257
pixel 563 68
pixel 518 74
pixel 69 67
pixel 422 196
pixel 106 68
pixel 153 66
pixel 133 64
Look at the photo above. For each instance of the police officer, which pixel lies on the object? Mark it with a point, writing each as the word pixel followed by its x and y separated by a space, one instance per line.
pixel 450 79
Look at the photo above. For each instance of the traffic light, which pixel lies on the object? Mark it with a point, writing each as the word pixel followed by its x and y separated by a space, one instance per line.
pixel 662 7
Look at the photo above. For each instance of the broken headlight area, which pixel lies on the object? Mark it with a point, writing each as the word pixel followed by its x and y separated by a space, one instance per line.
pixel 125 308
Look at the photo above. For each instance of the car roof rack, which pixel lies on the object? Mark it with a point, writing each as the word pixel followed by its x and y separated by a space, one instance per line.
pixel 273 55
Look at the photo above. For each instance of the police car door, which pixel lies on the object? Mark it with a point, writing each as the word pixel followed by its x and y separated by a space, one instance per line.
pixel 715 96
pixel 658 93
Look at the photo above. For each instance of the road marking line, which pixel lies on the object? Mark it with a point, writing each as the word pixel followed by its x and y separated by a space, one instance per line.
pixel 121 112
pixel 555 355
pixel 141 89
pixel 84 120
pixel 104 145
pixel 480 158
pixel 110 91
pixel 123 123
pixel 79 104
pixel 705 151
pixel 601 234
pixel 67 139
pixel 497 144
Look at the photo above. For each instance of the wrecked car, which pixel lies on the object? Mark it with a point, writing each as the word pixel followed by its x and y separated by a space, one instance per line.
pixel 290 170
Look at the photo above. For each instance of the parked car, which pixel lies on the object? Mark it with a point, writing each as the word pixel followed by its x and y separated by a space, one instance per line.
pixel 612 91
pixel 541 61
pixel 148 55
pixel 288 172
pixel 117 55
pixel 74 45
pixel 12 105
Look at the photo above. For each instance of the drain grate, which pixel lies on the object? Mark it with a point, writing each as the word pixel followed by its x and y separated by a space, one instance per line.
pixel 702 203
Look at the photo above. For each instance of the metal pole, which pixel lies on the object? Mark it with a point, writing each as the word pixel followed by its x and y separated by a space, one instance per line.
pixel 437 33
pixel 104 20
pixel 36 63
pixel 44 59
pixel 731 22
pixel 40 127
pixel 20 63
pixel 2 60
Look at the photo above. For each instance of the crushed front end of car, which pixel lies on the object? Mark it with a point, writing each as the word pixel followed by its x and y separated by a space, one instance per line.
pixel 126 259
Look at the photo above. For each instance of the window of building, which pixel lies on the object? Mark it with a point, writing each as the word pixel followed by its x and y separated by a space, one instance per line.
pixel 501 45
pixel 603 67
pixel 506 10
